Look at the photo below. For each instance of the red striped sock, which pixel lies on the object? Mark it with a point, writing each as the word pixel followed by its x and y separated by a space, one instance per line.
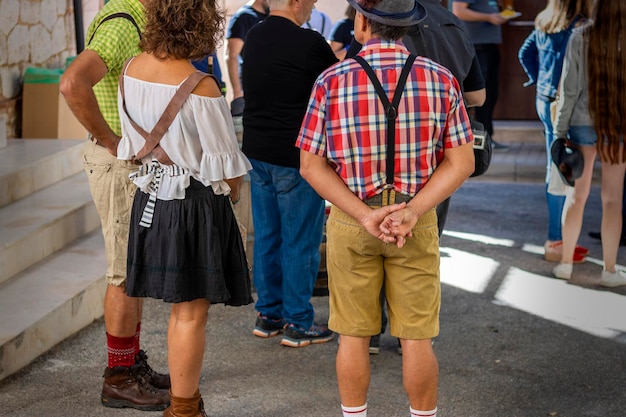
pixel 121 351
pixel 137 333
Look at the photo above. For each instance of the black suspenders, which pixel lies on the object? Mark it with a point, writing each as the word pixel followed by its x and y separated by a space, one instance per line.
pixel 391 107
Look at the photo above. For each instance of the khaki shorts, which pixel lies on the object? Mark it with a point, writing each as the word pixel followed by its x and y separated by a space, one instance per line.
pixel 113 194
pixel 358 266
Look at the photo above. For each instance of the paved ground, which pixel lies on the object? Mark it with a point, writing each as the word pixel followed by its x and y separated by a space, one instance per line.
pixel 514 342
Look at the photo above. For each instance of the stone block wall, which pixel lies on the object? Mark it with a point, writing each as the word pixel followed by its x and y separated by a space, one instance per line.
pixel 33 33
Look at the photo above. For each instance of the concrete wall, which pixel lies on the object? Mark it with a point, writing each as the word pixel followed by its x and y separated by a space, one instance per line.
pixel 34 33
pixel 40 33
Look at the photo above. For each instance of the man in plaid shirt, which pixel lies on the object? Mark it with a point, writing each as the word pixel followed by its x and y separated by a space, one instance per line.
pixel 383 230
pixel 90 88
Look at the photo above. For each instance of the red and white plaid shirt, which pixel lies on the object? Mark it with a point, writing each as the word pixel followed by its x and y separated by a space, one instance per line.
pixel 346 123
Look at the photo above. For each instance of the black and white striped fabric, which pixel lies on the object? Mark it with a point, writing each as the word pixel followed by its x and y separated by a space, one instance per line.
pixel 156 170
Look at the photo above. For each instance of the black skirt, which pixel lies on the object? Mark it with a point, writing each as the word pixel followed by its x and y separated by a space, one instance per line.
pixel 192 250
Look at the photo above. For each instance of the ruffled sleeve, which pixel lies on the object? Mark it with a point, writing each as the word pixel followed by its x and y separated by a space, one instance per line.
pixel 201 139
pixel 221 156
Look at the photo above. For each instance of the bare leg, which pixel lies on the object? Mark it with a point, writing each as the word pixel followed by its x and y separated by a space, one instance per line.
pixel 612 193
pixel 186 341
pixel 353 370
pixel 420 373
pixel 121 312
pixel 575 206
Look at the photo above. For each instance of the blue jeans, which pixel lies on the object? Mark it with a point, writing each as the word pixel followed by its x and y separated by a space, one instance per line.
pixel 555 202
pixel 288 218
pixel 582 135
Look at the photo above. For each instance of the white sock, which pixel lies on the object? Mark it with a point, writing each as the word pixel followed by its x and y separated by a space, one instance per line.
pixel 419 413
pixel 360 411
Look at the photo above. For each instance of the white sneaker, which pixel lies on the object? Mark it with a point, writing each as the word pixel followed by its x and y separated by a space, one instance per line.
pixel 563 271
pixel 613 279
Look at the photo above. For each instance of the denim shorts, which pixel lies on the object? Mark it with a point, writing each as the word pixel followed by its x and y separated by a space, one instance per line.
pixel 582 135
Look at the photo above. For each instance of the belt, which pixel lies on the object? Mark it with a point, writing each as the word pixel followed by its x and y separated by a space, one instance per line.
pixel 387 197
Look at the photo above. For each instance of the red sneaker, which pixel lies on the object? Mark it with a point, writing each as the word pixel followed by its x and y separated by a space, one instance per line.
pixel 554 252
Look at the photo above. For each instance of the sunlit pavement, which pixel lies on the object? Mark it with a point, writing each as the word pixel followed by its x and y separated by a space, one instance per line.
pixel 514 341
pixel 524 279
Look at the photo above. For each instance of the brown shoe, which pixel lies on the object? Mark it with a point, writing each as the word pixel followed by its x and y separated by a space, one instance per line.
pixel 157 380
pixel 126 387
pixel 185 407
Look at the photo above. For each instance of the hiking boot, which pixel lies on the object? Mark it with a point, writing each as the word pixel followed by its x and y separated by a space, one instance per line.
pixel 126 387
pixel 267 327
pixel 157 380
pixel 374 348
pixel 186 407
pixel 298 336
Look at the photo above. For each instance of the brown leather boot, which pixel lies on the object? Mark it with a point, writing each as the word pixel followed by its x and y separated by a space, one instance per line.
pixel 185 407
pixel 157 380
pixel 126 387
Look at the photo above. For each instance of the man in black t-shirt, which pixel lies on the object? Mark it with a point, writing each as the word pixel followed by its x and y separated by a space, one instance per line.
pixel 282 61
pixel 238 26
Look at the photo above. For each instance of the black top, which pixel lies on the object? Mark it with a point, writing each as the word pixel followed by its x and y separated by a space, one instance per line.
pixel 343 32
pixel 242 21
pixel 442 37
pixel 282 62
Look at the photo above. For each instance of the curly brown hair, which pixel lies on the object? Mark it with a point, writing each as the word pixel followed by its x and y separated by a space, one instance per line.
pixel 607 78
pixel 182 29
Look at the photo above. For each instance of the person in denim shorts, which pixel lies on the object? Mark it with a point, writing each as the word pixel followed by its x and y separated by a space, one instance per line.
pixel 382 228
pixel 607 103
pixel 572 121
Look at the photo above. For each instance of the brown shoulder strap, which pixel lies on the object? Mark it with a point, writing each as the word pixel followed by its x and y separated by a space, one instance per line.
pixel 153 138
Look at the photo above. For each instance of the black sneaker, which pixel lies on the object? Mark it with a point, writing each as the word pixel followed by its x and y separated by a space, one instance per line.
pixel 598 235
pixel 375 345
pixel 267 327
pixel 298 336
pixel 499 147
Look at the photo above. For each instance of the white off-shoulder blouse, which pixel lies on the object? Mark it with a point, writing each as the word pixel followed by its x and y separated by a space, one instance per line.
pixel 200 141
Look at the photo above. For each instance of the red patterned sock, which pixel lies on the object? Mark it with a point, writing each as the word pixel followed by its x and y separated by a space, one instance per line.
pixel 137 333
pixel 121 351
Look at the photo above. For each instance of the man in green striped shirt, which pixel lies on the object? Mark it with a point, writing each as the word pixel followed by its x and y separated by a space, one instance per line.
pixel 90 86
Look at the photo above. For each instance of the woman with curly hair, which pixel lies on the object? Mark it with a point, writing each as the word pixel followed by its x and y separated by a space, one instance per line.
pixel 184 243
pixel 607 106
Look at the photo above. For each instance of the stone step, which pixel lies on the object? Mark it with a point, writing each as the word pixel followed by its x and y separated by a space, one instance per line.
pixel 29 165
pixel 51 301
pixel 44 222
pixel 518 131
